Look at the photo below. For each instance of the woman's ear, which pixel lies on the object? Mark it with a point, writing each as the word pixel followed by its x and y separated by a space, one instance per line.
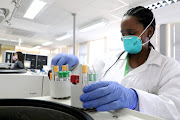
pixel 150 32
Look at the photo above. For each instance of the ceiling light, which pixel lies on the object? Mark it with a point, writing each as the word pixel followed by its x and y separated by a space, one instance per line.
pixel 34 9
pixel 153 7
pixel 168 1
pixel 163 3
pixel 158 5
pixel 47 43
pixel 37 47
pixel 67 35
pixel 93 25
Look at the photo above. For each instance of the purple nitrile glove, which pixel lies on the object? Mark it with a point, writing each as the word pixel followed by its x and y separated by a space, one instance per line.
pixel 63 59
pixel 108 95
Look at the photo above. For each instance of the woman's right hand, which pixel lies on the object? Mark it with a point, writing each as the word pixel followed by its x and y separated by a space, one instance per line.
pixel 63 59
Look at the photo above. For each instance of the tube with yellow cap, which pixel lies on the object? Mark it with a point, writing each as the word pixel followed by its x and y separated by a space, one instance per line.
pixel 64 68
pixel 84 75
pixel 50 76
pixel 56 72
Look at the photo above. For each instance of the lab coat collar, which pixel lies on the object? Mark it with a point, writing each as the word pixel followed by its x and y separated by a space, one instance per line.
pixel 154 58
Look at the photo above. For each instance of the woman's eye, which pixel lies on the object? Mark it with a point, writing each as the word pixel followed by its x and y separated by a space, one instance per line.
pixel 127 34
pixel 131 33
pixel 123 34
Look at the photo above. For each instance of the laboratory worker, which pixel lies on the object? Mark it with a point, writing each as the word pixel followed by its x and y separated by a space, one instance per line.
pixel 18 59
pixel 139 78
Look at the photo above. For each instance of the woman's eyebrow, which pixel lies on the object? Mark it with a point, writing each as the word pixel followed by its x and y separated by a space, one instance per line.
pixel 128 30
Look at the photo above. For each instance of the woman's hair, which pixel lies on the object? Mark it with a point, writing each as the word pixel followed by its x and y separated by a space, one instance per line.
pixel 144 16
pixel 20 57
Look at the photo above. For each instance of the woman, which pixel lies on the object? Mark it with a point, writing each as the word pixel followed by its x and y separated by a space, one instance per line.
pixel 140 78
pixel 18 59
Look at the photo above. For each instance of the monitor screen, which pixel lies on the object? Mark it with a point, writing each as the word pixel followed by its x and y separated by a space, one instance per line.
pixel 27 64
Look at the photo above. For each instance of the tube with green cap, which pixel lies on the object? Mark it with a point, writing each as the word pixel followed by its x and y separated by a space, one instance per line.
pixel 92 78
pixel 69 75
pixel 61 75
pixel 65 75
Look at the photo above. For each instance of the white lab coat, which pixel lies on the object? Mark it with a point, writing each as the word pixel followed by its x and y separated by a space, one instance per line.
pixel 157 82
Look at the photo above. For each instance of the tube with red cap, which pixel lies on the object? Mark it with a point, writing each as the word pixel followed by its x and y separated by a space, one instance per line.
pixel 74 79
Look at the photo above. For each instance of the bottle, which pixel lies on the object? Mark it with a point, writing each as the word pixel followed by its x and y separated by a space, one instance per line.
pixel 84 75
pixel 56 73
pixel 61 75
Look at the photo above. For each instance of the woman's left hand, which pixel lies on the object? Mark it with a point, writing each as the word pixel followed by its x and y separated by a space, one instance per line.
pixel 108 95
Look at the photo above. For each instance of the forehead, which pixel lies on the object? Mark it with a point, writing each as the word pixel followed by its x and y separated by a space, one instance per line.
pixel 130 22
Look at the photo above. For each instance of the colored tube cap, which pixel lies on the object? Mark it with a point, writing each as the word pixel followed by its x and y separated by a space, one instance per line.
pixel 68 73
pixel 95 77
pixel 60 74
pixel 84 69
pixel 56 68
pixel 91 77
pixel 64 68
pixel 65 74
pixel 50 76
pixel 75 78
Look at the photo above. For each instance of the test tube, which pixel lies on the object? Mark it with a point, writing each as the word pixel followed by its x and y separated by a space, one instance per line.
pixel 84 75
pixel 69 75
pixel 64 68
pixel 52 72
pixel 95 77
pixel 61 75
pixel 65 75
pixel 90 78
pixel 50 76
pixel 56 70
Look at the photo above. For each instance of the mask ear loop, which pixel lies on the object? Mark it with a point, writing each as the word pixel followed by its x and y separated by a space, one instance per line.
pixel 144 31
pixel 146 28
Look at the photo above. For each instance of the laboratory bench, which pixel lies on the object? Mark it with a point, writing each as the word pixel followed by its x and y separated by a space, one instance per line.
pixel 34 86
pixel 123 114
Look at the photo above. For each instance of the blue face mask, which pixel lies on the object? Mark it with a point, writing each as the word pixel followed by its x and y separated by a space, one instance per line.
pixel 133 44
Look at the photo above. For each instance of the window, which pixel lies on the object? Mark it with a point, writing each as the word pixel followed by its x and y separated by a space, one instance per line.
pixel 83 53
pixel 97 49
pixel 70 50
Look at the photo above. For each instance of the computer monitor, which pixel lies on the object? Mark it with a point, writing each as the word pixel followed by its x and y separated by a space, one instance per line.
pixel 27 64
